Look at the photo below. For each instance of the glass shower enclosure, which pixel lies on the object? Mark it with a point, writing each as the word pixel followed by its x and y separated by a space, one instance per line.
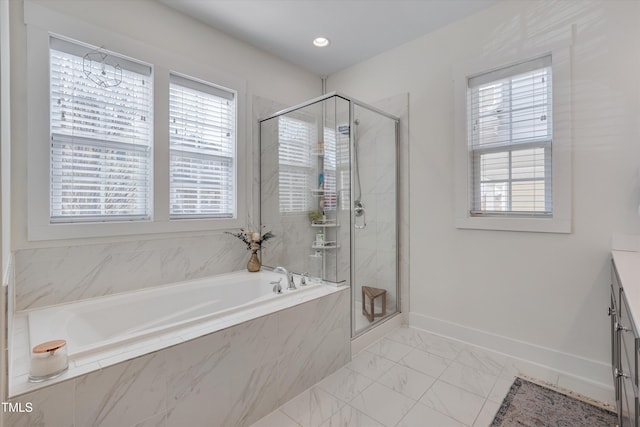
pixel 328 191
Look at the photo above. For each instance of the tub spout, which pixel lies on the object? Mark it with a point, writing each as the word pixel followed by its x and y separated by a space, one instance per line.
pixel 290 283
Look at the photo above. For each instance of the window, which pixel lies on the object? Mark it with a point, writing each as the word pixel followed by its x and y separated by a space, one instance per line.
pixel 100 157
pixel 294 157
pixel 202 139
pixel 510 138
pixel 330 167
pixel 101 135
pixel 512 152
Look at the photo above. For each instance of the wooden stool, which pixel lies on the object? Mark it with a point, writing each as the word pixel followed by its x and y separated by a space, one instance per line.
pixel 373 293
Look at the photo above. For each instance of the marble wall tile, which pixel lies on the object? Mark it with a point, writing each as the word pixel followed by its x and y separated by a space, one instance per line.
pixel 63 274
pixel 255 394
pixel 199 394
pixel 159 420
pixel 255 342
pixel 311 357
pixel 122 394
pixel 52 406
pixel 312 407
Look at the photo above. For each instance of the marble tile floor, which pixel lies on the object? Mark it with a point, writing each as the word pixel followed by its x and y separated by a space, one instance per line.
pixel 409 378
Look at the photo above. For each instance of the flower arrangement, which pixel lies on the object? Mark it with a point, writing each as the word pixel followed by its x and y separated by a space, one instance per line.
pixel 253 239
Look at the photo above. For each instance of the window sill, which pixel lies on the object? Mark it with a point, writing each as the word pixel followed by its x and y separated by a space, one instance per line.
pixel 536 225
pixel 63 231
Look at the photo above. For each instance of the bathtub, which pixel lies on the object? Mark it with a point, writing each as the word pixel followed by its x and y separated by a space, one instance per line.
pixel 101 323
pixel 163 353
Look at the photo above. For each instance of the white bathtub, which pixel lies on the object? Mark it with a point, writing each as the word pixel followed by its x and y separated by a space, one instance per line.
pixel 100 323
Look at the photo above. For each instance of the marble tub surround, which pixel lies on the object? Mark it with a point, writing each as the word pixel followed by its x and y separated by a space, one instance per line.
pixel 120 352
pixel 231 377
pixel 413 378
pixel 55 275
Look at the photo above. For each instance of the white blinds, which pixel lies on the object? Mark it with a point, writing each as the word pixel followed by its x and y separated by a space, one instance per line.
pixel 202 139
pixel 101 140
pixel 330 165
pixel 295 166
pixel 510 136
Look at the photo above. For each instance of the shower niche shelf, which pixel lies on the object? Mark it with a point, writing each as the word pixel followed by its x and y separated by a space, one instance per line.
pixel 327 245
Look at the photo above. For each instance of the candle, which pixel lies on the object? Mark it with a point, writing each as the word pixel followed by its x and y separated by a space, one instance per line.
pixel 48 360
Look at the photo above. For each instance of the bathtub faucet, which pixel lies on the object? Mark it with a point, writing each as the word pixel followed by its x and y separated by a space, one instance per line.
pixel 290 283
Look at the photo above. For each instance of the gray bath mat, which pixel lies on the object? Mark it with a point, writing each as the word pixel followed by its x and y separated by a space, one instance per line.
pixel 531 405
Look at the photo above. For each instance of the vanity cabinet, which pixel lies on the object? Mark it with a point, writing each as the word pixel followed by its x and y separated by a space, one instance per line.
pixel 625 342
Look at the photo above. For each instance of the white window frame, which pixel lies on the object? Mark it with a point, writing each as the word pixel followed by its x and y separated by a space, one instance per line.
pixel 560 219
pixel 203 152
pixel 41 23
pixel 67 137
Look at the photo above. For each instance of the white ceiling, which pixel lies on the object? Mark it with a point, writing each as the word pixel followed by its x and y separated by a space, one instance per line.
pixel 358 29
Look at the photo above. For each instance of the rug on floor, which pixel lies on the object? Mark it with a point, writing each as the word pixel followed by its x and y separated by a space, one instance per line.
pixel 530 405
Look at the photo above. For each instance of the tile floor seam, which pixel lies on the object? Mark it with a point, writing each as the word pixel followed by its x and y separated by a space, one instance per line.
pixel 449 416
pixel 464 389
pixel 434 409
pixel 405 415
pixel 479 413
pixel 347 402
pixel 453 385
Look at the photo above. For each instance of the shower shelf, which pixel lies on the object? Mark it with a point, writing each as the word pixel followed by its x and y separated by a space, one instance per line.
pixel 325 224
pixel 330 246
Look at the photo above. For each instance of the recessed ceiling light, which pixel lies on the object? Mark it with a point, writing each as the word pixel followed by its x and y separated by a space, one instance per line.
pixel 321 42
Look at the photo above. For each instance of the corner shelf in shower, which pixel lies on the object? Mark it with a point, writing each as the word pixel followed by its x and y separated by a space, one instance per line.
pixel 325 224
pixel 326 246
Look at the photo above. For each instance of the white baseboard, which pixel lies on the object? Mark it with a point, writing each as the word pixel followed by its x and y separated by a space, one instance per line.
pixel 570 368
pixel 374 334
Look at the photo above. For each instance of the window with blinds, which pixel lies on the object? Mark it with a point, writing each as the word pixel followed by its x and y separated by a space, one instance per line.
pixel 101 136
pixel 295 179
pixel 330 165
pixel 510 137
pixel 202 139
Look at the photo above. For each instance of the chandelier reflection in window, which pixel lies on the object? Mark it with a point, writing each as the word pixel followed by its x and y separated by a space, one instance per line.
pixel 102 69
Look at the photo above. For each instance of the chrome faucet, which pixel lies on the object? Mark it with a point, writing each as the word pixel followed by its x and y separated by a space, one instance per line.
pixel 290 283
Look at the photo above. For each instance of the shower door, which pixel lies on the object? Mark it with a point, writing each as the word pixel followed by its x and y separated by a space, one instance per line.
pixel 373 217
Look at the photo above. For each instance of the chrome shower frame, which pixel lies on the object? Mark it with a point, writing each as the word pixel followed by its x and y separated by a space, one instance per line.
pixel 353 214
